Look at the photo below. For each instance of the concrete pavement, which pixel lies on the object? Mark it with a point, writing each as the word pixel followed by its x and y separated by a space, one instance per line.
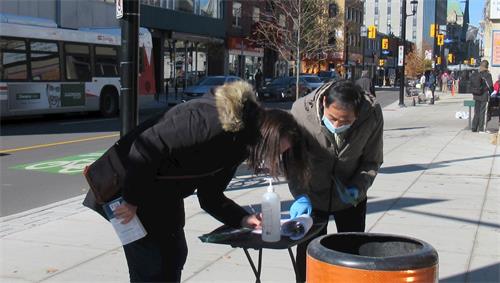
pixel 439 183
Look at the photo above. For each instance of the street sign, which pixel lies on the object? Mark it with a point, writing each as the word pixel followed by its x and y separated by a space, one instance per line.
pixel 401 55
pixel 119 9
pixel 428 54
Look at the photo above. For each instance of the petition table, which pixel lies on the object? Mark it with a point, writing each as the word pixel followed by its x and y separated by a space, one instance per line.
pixel 245 239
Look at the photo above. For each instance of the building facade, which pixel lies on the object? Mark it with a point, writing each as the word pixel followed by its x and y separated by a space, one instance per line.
pixel 386 15
pixel 491 38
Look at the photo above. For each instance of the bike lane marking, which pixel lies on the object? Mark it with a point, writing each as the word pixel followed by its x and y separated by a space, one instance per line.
pixel 69 165
pixel 57 143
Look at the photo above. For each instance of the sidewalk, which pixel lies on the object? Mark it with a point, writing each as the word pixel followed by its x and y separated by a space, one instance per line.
pixel 439 183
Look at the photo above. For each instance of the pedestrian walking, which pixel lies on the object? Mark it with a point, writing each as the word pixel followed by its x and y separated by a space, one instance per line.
pixel 431 84
pixel 422 83
pixel 444 81
pixel 197 146
pixel 258 79
pixel 344 129
pixel 481 86
pixel 366 83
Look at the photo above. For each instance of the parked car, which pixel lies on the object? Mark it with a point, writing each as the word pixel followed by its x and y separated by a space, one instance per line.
pixel 328 75
pixel 207 83
pixel 312 82
pixel 282 88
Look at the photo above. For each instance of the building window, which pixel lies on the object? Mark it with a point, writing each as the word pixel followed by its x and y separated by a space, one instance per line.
pixel 389 8
pixel 184 6
pixel 414 35
pixel 237 14
pixel 209 8
pixel 349 16
pixel 376 22
pixel 151 2
pixel 414 21
pixel 256 14
pixel 376 7
pixel 282 20
pixel 44 59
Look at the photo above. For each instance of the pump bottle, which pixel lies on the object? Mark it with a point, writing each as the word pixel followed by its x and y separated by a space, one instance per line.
pixel 271 214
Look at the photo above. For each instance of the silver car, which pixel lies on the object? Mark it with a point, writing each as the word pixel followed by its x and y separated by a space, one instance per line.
pixel 206 84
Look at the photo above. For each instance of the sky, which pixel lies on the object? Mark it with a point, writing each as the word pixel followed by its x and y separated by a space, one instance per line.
pixel 476 11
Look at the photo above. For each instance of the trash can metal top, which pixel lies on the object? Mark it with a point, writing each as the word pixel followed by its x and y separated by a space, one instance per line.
pixel 370 251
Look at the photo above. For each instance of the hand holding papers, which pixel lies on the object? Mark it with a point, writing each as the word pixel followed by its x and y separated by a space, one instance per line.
pixel 129 232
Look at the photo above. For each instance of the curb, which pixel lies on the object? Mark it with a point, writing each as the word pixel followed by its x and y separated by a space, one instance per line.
pixel 41 208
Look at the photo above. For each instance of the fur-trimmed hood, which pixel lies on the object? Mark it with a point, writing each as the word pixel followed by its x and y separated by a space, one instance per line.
pixel 230 100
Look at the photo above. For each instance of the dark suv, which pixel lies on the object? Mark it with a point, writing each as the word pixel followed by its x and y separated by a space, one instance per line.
pixel 284 88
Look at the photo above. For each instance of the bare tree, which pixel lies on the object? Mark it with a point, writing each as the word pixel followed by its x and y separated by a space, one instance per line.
pixel 298 29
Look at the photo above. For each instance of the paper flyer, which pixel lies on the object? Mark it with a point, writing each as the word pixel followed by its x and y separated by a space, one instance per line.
pixel 128 233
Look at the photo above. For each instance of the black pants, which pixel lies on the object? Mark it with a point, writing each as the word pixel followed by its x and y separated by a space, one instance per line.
pixel 161 255
pixel 478 122
pixel 157 260
pixel 348 220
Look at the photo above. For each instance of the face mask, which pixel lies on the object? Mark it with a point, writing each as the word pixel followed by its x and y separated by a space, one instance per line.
pixel 332 128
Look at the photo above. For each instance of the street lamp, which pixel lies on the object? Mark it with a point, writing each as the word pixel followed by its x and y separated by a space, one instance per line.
pixel 414 4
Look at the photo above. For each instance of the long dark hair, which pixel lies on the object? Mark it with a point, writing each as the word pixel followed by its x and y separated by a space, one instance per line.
pixel 274 125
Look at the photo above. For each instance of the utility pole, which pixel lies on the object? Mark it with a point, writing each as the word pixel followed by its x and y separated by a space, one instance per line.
pixel 414 4
pixel 129 66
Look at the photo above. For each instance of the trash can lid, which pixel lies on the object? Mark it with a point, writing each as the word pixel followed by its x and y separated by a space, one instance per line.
pixel 372 251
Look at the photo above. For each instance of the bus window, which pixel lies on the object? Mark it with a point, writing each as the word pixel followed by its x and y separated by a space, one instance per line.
pixel 106 61
pixel 44 59
pixel 142 53
pixel 77 60
pixel 13 59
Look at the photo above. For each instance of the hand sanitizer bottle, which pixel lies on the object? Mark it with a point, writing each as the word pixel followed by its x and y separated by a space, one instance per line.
pixel 271 214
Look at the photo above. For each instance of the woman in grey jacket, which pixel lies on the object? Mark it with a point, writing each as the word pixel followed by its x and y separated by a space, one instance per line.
pixel 343 129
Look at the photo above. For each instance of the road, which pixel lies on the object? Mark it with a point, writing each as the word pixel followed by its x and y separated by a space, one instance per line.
pixel 42 158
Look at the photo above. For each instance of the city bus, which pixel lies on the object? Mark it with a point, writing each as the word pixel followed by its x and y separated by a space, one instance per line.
pixel 45 69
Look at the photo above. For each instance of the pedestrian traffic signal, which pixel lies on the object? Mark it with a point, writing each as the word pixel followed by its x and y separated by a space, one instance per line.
pixel 385 43
pixel 372 32
pixel 440 39
pixel 450 58
pixel 381 62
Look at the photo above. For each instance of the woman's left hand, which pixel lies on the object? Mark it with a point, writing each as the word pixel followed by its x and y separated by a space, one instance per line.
pixel 252 221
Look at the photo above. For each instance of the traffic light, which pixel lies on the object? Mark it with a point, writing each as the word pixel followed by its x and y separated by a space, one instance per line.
pixel 433 30
pixel 385 43
pixel 438 60
pixel 372 32
pixel 381 62
pixel 440 39
pixel 472 61
pixel 450 58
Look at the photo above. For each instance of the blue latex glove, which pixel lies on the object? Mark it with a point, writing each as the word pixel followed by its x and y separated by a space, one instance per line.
pixel 353 192
pixel 302 205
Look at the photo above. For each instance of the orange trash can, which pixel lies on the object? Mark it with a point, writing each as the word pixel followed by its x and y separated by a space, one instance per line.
pixel 373 258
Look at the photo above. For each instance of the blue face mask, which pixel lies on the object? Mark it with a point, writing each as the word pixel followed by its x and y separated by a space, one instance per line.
pixel 332 128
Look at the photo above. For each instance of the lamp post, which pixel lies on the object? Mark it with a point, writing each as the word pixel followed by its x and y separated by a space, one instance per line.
pixel 413 4
pixel 363 30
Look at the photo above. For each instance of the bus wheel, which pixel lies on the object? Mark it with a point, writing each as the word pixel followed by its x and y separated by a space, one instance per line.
pixel 109 103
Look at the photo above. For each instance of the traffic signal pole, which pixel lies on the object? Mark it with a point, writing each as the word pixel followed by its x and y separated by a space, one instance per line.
pixel 129 66
pixel 402 75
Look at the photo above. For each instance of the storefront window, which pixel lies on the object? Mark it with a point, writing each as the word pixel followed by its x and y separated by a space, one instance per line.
pixel 233 65
pixel 176 68
pixel 209 8
pixel 184 6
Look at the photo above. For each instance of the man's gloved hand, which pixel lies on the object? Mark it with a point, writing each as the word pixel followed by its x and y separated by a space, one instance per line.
pixel 302 205
pixel 353 192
